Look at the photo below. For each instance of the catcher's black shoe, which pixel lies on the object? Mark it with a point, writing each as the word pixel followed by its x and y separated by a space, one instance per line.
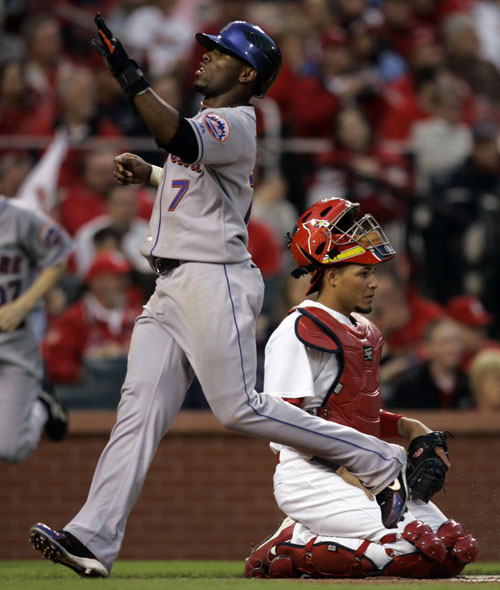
pixel 62 547
pixel 56 426
pixel 392 501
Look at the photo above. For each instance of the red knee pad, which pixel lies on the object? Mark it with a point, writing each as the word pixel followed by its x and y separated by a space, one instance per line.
pixel 444 553
pixel 465 549
pixel 329 560
pixel 414 529
pixel 420 534
pixel 432 546
pixel 450 531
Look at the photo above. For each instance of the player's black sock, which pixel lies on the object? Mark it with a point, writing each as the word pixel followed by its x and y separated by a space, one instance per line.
pixel 74 546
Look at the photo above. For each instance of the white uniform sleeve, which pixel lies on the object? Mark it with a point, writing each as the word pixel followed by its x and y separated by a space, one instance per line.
pixel 287 371
pixel 221 135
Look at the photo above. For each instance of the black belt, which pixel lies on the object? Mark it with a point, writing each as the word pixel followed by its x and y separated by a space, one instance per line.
pixel 163 265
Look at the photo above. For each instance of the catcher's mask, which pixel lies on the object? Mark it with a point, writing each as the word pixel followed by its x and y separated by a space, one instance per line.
pixel 332 232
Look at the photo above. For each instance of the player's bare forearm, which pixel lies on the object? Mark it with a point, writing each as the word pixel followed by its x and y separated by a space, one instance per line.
pixel 162 119
pixel 410 428
pixel 13 313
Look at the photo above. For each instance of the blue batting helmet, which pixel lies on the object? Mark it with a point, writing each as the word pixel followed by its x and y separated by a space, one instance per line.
pixel 251 44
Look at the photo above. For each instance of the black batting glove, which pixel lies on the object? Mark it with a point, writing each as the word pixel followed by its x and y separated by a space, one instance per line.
pixel 125 70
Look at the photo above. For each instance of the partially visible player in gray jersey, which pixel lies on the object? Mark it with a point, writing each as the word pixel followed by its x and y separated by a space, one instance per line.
pixel 33 255
pixel 201 318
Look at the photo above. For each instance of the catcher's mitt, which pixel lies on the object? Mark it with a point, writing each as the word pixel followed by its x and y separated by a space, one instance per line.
pixel 425 471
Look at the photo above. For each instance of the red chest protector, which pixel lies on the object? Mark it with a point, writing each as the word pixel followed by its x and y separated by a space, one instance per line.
pixel 354 397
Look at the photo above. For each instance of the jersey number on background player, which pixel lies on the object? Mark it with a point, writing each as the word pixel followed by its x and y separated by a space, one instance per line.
pixel 13 288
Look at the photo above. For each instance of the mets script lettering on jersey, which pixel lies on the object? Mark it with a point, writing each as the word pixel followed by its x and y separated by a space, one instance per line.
pixel 217 126
pixel 10 265
pixel 177 160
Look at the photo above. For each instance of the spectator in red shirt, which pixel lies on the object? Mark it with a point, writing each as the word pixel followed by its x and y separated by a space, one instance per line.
pixel 14 167
pixel 360 170
pixel 292 39
pixel 77 112
pixel 76 109
pixel 409 98
pixel 266 250
pixel 437 381
pixel 316 96
pixel 463 58
pixel 402 314
pixel 46 62
pixel 397 25
pixel 16 98
pixel 265 247
pixel 85 199
pixel 407 101
pixel 121 215
pixel 473 321
pixel 98 326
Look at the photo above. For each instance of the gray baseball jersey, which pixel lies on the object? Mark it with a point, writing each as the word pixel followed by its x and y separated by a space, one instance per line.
pixel 201 209
pixel 29 242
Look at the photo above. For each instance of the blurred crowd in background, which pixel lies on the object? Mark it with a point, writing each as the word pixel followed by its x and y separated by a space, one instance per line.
pixel 394 104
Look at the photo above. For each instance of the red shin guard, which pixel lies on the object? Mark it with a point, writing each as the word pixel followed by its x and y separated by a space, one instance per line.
pixel 329 560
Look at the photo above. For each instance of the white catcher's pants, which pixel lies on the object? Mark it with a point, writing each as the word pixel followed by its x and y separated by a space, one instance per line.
pixel 327 507
pixel 201 319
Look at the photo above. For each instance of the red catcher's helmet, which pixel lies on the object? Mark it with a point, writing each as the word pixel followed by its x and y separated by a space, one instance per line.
pixel 331 232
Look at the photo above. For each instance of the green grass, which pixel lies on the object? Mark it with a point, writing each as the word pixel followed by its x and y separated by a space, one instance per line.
pixel 191 575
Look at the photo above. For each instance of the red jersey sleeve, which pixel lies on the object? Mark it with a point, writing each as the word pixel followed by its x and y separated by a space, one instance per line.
pixel 389 424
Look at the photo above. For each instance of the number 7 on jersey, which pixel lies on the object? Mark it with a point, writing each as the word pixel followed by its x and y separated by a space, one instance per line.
pixel 183 186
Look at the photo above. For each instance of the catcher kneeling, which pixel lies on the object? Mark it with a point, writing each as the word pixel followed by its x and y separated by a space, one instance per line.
pixel 324 357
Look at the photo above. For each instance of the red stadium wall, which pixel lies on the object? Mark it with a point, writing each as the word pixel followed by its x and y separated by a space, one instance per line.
pixel 209 492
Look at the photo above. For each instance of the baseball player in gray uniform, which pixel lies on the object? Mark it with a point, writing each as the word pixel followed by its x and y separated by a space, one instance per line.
pixel 201 318
pixel 33 254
